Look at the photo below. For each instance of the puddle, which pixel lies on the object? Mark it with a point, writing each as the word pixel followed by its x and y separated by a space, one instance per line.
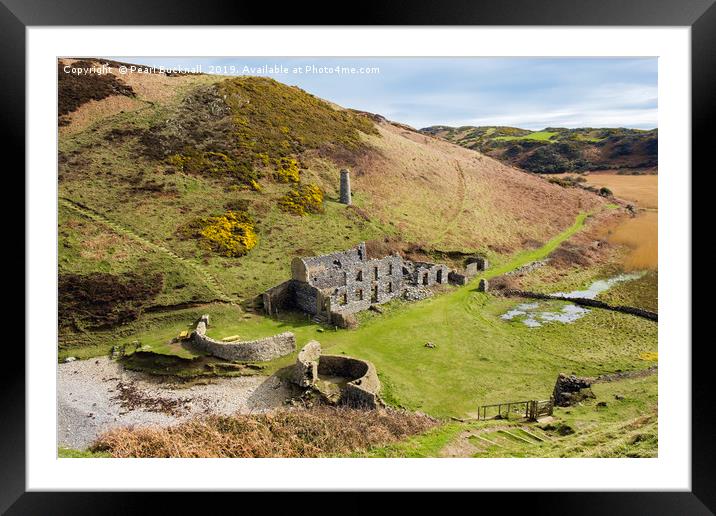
pixel 535 314
pixel 600 286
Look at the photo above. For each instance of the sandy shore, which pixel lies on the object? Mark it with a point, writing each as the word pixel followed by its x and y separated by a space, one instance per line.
pixel 98 394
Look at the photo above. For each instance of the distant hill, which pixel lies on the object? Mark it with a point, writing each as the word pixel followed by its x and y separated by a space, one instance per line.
pixel 556 150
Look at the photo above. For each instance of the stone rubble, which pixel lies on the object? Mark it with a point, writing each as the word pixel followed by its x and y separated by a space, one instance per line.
pixel 411 293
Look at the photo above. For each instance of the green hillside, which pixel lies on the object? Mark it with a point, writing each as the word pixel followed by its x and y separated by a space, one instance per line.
pixel 189 194
pixel 209 185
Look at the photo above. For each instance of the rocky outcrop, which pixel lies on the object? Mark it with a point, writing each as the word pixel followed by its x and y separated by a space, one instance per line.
pixel 259 350
pixel 305 372
pixel 571 389
pixel 529 267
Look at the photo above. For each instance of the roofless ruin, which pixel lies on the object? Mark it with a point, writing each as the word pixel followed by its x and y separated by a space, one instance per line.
pixel 332 286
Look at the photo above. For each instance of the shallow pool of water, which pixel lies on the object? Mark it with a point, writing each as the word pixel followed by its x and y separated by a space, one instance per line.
pixel 600 286
pixel 537 313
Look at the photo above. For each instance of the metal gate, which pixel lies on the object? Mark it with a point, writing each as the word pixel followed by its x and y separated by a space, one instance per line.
pixel 530 409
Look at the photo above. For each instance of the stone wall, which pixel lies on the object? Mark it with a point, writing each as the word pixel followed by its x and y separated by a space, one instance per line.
pixel 279 297
pixel 457 278
pixel 305 372
pixel 305 297
pixel 363 387
pixel 367 283
pixel 474 264
pixel 259 350
pixel 529 267
pixel 582 301
pixel 426 274
pixel 571 389
pixel 312 269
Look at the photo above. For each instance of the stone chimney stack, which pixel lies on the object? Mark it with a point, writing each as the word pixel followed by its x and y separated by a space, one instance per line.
pixel 345 187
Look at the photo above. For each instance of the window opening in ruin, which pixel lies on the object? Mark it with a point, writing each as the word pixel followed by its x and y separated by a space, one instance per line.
pixel 375 271
pixel 390 269
pixel 425 278
pixel 359 276
pixel 360 295
pixel 439 278
pixel 390 287
pixel 374 294
pixel 344 299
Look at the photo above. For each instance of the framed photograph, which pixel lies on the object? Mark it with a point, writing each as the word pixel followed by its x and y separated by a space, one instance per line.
pixel 420 253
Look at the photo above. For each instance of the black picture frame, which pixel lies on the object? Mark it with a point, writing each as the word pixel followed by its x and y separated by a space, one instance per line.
pixel 700 15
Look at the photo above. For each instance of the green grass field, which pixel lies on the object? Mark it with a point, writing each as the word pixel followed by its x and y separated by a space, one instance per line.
pixel 625 427
pixel 478 359
pixel 541 136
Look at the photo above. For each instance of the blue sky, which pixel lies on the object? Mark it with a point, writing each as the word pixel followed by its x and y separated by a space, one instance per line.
pixel 532 93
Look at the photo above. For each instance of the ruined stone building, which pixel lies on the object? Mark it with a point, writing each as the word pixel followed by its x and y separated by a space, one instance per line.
pixel 333 286
pixel 347 282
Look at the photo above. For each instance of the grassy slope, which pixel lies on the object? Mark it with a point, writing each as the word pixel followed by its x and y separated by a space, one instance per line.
pixel 624 428
pixel 479 358
pixel 416 188
pixel 452 198
pixel 541 136
pixel 412 187
pixel 642 292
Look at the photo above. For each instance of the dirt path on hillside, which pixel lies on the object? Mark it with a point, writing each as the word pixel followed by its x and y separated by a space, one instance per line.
pixel 98 394
pixel 464 446
pixel 461 195
pixel 469 442
pixel 209 280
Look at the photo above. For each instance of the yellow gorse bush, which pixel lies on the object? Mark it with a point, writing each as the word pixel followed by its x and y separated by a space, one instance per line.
pixel 231 234
pixel 287 170
pixel 302 200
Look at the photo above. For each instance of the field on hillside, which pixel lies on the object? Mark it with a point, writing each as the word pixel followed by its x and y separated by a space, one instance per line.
pixel 537 135
pixel 624 425
pixel 498 360
pixel 187 195
pixel 136 185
